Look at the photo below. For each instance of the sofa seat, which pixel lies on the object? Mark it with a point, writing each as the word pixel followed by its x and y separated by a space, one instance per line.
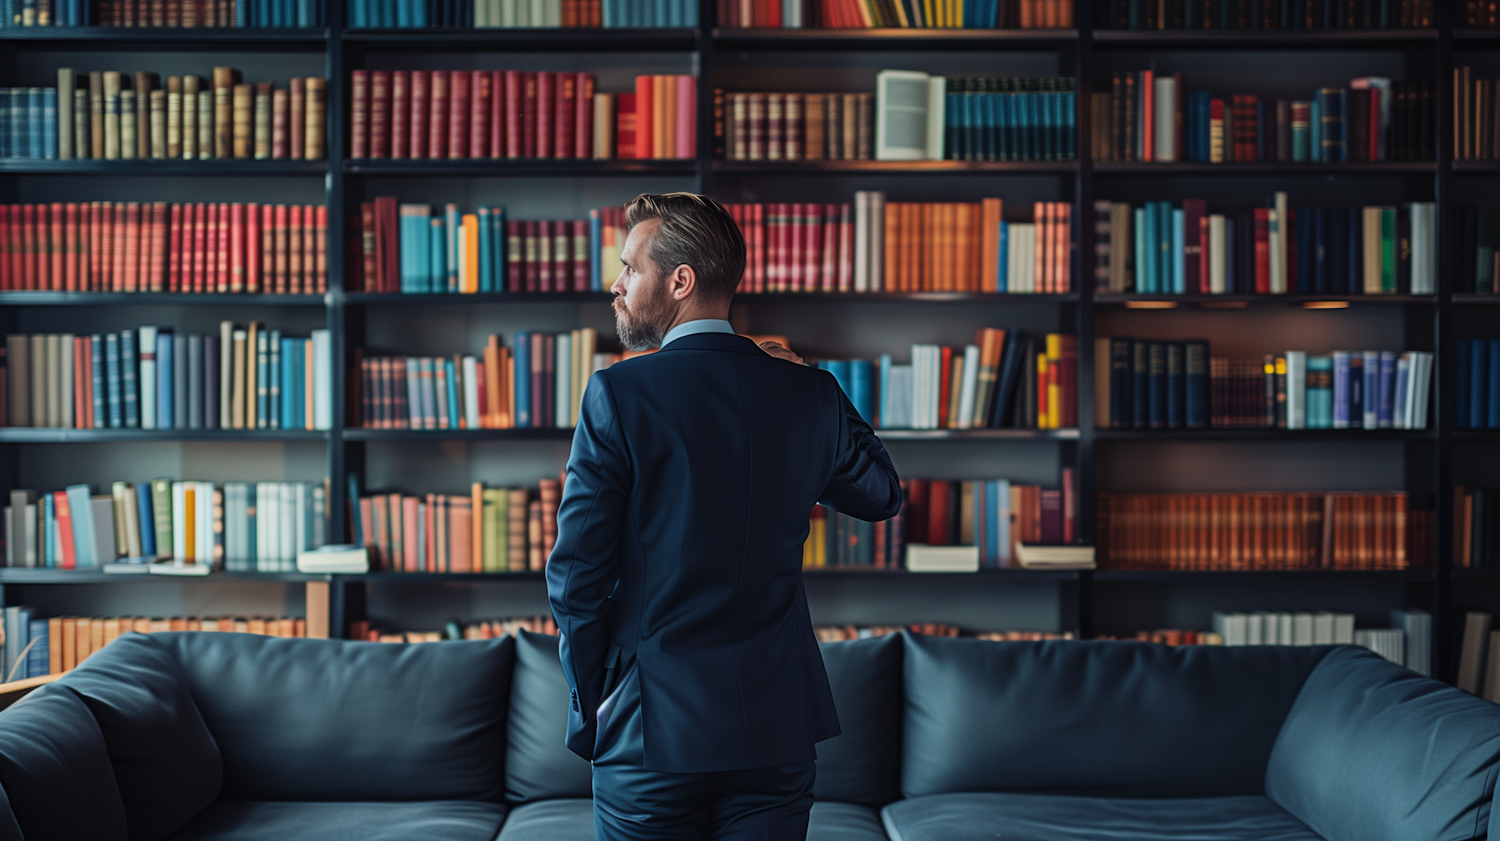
pixel 572 819
pixel 1014 816
pixel 437 820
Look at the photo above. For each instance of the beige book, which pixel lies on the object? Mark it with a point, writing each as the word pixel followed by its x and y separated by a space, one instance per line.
pixel 96 115
pixel 1472 656
pixel 1371 241
pixel 814 121
pixel 39 380
pixel 252 335
pixel 262 122
pixel 225 79
pixel 296 141
pixel 111 106
pixel 158 124
pixel 604 126
pixel 242 120
pixel 226 374
pixel 174 117
pixel 67 80
pixel 849 122
pixel 189 118
pixel 65 380
pixel 82 147
pixel 117 501
pixel 237 386
pixel 18 380
pixel 129 136
pixel 54 380
pixel 145 83
pixel 205 125
pixel 317 98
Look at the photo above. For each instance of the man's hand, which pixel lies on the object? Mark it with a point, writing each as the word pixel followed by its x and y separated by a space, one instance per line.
pixel 775 349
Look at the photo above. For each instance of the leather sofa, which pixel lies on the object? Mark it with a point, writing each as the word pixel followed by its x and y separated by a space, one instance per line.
pixel 233 737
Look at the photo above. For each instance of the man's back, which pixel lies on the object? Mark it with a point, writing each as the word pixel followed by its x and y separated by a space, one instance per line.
pixel 716 452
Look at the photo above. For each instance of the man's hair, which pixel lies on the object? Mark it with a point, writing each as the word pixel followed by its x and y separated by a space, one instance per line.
pixel 695 231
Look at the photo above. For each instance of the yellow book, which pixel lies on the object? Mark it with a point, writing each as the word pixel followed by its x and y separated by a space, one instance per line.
pixel 1054 388
pixel 1042 418
pixel 662 87
pixel 189 523
pixel 469 281
pixel 820 542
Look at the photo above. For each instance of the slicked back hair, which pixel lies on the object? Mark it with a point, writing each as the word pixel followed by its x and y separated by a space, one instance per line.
pixel 695 231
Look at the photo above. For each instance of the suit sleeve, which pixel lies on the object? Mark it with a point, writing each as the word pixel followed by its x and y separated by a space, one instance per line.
pixel 584 565
pixel 864 483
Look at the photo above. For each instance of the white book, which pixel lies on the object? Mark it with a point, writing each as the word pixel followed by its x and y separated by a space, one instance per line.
pixel 1423 248
pixel 508 12
pixel 966 391
pixel 471 392
pixel 66 364
pixel 900 401
pixel 861 241
pixel 923 558
pixel 1323 628
pixel 876 260
pixel 1255 629
pixel 179 522
pixel 286 522
pixel 563 386
pixel 1021 266
pixel 1166 119
pixel 1296 389
pixel 146 350
pixel 1216 262
pixel 934 385
pixel 1284 629
pixel 1230 627
pixel 262 527
pixel 322 382
pixel 1343 629
pixel 204 503
pixel 301 510
pixel 902 104
pixel 1302 629
pixel 1270 628
pixel 1421 388
pixel 554 13
pixel 918 387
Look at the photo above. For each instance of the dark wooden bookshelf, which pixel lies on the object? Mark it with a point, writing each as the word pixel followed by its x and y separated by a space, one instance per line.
pixel 1088 53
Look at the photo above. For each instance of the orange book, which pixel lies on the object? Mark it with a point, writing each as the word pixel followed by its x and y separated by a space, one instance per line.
pixel 965 234
pixel 429 517
pixel 294 250
pixel 443 556
pixel 64 514
pixel 989 237
pixel 54 652
pixel 460 534
pixel 55 246
pixel 71 250
pixel 1148 114
pixel 320 247
pixel 1039 217
pixel 476 527
pixel 189 523
pixel 1064 239
pixel 410 554
pixel 661 116
pixel 508 383
pixel 83 639
pixel 492 392
pixel 69 639
pixel 645 89
pixel 156 262
pixel 128 260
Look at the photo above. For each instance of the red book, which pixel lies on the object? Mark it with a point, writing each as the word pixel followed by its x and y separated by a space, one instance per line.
pixel 221 278
pixel 28 245
pixel 55 246
pixel 174 249
pixel 644 110
pixel 758 237
pixel 945 375
pixel 773 15
pixel 533 267
pixel 544 252
pixel 563 115
pixel 236 247
pixel 400 118
pixel 7 281
pixel 64 515
pixel 82 400
pixel 387 215
pixel 496 117
pixel 120 237
pixel 294 249
pixel 252 247
pixel 380 113
pixel 458 114
pixel 359 114
pixel 420 94
pixel 156 263
pixel 686 119
pixel 831 229
pixel 515 98
pixel 914 503
pixel 1263 250
pixel 546 113
pixel 479 112
pixel 1148 115
pixel 515 263
pixel 97 242
pixel 266 276
pixel 278 238
pixel 1070 505
pixel 367 247
pixel 580 257
pixel 812 272
pixel 793 253
pixel 528 115
pixel 70 248
pixel 132 246
pixel 437 116
pixel 583 117
pixel 1205 257
pixel 939 504
pixel 625 126
pixel 320 247
pixel 195 255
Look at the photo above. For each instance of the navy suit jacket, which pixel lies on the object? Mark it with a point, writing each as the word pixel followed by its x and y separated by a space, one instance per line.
pixel 679 549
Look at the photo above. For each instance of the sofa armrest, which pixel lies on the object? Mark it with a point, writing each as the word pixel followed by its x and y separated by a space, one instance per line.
pixel 1373 752
pixel 17 689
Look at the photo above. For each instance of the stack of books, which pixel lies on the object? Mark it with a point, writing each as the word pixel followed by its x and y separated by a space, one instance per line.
pixel 488 530
pixel 484 14
pixel 169 14
pixel 1139 14
pixel 920 116
pixel 795 126
pixel 1477 107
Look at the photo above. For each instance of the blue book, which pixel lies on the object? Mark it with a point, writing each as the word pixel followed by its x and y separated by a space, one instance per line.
pixel 1463 390
pixel 1178 252
pixel 1156 384
pixel 497 233
pixel 148 519
pixel 1176 386
pixel 252 547
pixel 523 379
pixel 1341 389
pixel 408 251
pixel 1195 382
pixel 359 14
pixel 1153 250
pixel 129 400
pixel 1386 390
pixel 1354 260
pixel 47 556
pixel 437 249
pixel 1315 129
pixel 1492 413
pixel 1319 398
pixel 452 381
pixel 112 378
pixel 262 380
pixel 288 384
pixel 1479 381
pixel 49 123
pixel 1002 283
pixel 164 381
pixel 38 662
pixel 18 145
pixel 262 16
pixel 404 17
pixel 242 13
pixel 596 238
pixel 486 255
pixel 450 244
pixel 862 388
pixel 1370 397
pixel 273 379
pixel 34 130
pixel 299 384
pixel 1321 252
pixel 885 389
pixel 6 148
pixel 1070 124
pixel 97 380
pixel 1139 229
pixel 83 525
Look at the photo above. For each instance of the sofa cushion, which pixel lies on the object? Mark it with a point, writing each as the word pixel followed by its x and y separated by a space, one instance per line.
pixel 1373 752
pixel 979 816
pixel 55 770
pixel 9 829
pixel 834 821
pixel 304 719
pixel 538 766
pixel 568 819
pixel 166 763
pixel 1121 718
pixel 441 820
pixel 863 764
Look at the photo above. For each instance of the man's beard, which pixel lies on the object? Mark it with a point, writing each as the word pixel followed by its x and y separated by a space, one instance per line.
pixel 646 324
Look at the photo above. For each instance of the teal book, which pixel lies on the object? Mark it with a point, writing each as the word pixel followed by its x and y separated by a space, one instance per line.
pixel 82 512
pixel 486 251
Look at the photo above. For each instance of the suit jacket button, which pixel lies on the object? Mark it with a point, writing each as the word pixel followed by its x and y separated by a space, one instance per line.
pixel 576 707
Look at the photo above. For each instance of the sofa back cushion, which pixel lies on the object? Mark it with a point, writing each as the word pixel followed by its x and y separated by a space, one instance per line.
pixel 863 763
pixel 538 766
pixel 166 763
pixel 303 719
pixel 9 829
pixel 1373 752
pixel 1122 718
pixel 55 770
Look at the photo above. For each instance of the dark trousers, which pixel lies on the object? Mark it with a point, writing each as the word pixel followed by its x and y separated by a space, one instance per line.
pixel 632 803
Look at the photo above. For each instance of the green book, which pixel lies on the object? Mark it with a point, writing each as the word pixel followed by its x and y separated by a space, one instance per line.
pixel 161 509
pixel 1388 249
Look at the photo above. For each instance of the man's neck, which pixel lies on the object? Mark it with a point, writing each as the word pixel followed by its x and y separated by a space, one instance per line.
pixel 698 313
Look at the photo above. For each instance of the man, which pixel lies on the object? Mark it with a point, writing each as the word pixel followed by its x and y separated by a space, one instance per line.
pixel 697 687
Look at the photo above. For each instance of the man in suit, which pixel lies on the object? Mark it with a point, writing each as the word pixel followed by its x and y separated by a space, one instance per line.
pixel 698 690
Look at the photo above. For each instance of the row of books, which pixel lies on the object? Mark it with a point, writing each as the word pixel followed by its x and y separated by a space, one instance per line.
pixel 485 14
pixel 1476 384
pixel 1151 116
pixel 1476 114
pixel 538 382
pixel 838 541
pixel 1258 531
pixel 1476 541
pixel 1408 642
pixel 1479 657
pixel 239 526
pixel 1005 378
pixel 155 378
pixel 1159 249
pixel 482 630
pixel 1265 14
pixel 37 646
pixel 114 115
pixel 842 633
pixel 895 14
pixel 1476 261
pixel 921 116
pixel 129 246
pixel 488 530
pixel 1178 385
pixel 261 14
pixel 794 126
pixel 1478 13
pixel 460 114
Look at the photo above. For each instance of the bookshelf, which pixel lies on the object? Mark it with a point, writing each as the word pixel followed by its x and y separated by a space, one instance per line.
pixel 1427 463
